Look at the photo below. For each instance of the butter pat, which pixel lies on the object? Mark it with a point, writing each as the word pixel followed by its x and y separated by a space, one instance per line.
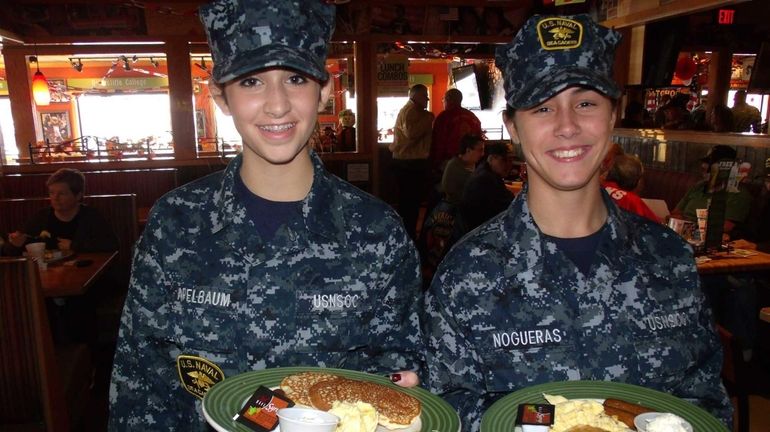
pixel 355 417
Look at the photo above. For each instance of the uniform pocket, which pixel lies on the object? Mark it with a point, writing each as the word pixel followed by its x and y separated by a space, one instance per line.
pixel 506 369
pixel 203 320
pixel 330 321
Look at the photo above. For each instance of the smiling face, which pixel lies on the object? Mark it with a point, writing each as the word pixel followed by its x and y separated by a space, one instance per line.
pixel 275 112
pixel 565 138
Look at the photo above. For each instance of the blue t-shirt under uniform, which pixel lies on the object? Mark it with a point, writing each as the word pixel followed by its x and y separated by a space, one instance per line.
pixel 267 215
pixel 580 250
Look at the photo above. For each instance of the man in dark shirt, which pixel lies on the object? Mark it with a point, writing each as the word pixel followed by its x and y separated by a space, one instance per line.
pixel 485 193
pixel 66 225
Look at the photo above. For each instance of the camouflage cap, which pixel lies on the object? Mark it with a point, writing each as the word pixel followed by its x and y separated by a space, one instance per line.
pixel 248 35
pixel 551 53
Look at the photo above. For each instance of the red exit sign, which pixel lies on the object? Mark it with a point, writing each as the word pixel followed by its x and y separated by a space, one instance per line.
pixel 726 16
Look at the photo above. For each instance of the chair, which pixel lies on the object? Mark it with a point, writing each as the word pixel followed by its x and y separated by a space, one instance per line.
pixel 735 375
pixel 41 389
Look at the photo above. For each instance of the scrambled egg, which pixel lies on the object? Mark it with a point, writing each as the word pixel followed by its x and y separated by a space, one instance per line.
pixel 355 417
pixel 581 412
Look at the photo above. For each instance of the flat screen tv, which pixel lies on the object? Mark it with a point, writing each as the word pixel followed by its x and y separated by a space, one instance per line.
pixel 472 81
pixel 662 42
pixel 760 74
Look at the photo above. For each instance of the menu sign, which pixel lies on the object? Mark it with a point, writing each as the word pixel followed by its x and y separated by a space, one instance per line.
pixel 117 83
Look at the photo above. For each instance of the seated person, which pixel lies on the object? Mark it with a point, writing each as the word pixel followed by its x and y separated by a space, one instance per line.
pixel 738 204
pixel 67 224
pixel 485 194
pixel 758 225
pixel 460 168
pixel 622 184
pixel 675 113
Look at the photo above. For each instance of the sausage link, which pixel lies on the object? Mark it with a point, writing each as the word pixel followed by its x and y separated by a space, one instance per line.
pixel 626 406
pixel 623 416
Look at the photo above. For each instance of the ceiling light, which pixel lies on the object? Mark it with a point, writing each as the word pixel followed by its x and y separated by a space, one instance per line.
pixel 41 93
pixel 77 66
pixel 202 65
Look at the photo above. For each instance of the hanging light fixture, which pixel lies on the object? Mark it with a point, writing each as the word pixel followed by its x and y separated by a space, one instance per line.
pixel 77 66
pixel 202 65
pixel 124 59
pixel 40 90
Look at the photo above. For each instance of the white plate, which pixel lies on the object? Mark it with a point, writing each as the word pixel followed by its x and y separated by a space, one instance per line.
pixel 641 421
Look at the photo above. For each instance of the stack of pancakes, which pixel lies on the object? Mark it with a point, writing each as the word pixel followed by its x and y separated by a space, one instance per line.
pixel 320 390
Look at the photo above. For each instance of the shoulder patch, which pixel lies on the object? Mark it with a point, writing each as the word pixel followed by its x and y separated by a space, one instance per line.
pixel 197 375
pixel 559 33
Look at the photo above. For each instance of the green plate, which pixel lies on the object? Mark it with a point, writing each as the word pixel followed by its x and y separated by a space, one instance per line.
pixel 226 398
pixel 501 415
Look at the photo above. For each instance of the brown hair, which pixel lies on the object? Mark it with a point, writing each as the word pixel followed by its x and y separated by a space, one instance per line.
pixel 73 178
pixel 626 171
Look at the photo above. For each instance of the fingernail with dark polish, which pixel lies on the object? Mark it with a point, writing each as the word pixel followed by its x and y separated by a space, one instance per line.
pixel 395 377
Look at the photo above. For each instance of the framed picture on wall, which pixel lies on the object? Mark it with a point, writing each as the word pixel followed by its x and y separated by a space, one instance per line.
pixel 200 123
pixel 329 108
pixel 58 89
pixel 56 126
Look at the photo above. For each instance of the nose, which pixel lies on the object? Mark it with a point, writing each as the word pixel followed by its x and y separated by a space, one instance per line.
pixel 566 123
pixel 277 101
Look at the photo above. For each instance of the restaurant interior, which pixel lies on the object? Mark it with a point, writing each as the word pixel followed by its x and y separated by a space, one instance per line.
pixel 119 90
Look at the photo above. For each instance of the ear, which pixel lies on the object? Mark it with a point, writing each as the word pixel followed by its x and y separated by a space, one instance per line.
pixel 613 117
pixel 218 93
pixel 510 126
pixel 326 91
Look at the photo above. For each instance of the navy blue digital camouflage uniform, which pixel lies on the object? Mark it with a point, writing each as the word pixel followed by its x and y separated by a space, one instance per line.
pixel 338 284
pixel 508 310
pixel 338 287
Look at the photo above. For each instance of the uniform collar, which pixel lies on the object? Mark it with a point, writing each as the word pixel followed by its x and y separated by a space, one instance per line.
pixel 318 216
pixel 518 221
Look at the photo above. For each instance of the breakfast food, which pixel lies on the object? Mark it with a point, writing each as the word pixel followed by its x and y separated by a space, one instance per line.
pixel 394 409
pixel 355 417
pixel 296 386
pixel 667 423
pixel 624 411
pixel 578 415
pixel 586 429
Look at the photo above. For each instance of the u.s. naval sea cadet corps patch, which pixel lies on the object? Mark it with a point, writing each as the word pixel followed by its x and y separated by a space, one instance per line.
pixel 197 374
pixel 559 33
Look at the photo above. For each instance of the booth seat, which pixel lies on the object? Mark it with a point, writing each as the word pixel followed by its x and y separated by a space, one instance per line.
pixel 669 186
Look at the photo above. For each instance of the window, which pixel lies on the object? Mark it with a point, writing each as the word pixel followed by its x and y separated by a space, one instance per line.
pixel 7 131
pixel 140 123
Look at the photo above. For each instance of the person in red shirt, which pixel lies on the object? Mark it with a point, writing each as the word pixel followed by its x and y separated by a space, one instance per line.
pixel 450 126
pixel 622 182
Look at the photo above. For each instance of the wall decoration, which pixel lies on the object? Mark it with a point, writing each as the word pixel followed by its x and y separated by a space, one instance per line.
pixel 56 126
pixel 58 88
pixel 329 108
pixel 200 123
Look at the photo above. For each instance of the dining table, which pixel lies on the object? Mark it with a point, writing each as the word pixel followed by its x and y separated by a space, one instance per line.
pixel 735 260
pixel 75 274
